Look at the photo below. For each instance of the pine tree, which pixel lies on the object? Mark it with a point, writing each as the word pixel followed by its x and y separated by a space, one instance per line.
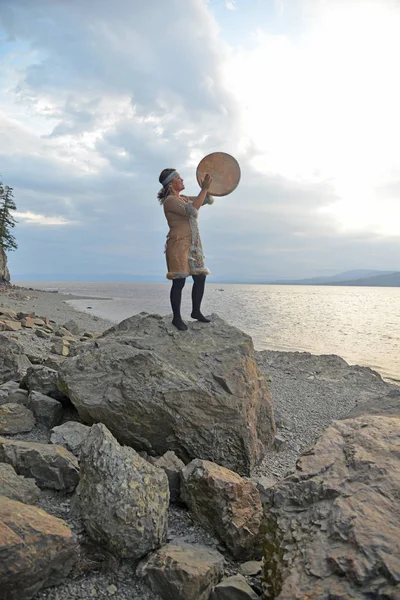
pixel 7 221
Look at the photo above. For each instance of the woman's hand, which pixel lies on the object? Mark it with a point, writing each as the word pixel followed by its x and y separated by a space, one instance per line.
pixel 205 184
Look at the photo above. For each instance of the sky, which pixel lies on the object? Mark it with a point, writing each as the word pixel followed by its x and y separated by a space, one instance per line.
pixel 98 97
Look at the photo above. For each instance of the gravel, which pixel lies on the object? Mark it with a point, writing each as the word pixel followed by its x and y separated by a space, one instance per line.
pixel 308 393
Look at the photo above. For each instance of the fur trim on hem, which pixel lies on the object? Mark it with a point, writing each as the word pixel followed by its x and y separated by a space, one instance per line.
pixel 173 275
pixel 191 210
pixel 204 271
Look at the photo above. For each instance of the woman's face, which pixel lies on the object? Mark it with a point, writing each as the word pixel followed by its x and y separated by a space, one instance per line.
pixel 177 183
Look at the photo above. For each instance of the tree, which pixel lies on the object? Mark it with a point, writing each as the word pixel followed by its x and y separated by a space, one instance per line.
pixel 7 221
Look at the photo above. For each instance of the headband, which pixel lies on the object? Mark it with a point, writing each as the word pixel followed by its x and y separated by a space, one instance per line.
pixel 169 178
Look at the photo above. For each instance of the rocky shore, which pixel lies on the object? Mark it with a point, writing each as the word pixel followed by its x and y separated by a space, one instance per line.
pixel 185 466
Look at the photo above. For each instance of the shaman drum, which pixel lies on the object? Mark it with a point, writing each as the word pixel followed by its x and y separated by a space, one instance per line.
pixel 224 170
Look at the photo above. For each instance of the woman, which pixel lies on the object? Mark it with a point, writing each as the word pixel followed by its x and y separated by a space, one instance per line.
pixel 183 249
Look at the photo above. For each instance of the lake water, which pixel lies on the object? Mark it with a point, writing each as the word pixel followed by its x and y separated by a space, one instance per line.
pixel 361 324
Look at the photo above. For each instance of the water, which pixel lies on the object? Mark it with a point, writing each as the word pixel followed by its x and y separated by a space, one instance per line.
pixel 361 324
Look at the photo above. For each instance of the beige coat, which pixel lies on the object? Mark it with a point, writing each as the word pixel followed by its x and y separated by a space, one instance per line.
pixel 183 250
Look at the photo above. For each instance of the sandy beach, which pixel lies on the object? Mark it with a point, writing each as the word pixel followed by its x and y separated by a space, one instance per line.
pixel 308 393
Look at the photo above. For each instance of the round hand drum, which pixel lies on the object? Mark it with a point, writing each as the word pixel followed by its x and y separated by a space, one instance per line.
pixel 224 170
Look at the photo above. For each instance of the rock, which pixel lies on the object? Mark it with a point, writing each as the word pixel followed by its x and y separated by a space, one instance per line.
pixel 280 443
pixel 283 422
pixel 42 334
pixel 263 485
pixel 24 315
pixel 71 435
pixel 40 378
pixel 61 332
pixel 72 327
pixel 37 550
pixel 4 397
pixel 233 588
pixel 7 312
pixel 15 418
pixel 17 487
pixel 39 322
pixel 123 499
pixel 13 362
pixel 251 568
pixel 61 347
pixel 9 386
pixel 333 527
pixel 200 394
pixel 173 466
pixel 225 503
pixel 19 397
pixel 28 322
pixel 7 325
pixel 183 571
pixel 46 410
pixel 388 405
pixel 51 466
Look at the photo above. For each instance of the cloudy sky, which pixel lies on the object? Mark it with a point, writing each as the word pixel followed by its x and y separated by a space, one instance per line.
pixel 97 97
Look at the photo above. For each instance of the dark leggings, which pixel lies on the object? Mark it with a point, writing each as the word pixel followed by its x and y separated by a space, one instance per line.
pixel 199 282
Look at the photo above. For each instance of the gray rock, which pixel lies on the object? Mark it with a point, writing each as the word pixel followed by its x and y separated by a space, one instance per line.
pixel 40 378
pixel 19 396
pixel 51 466
pixel 43 334
pixel 263 485
pixel 183 571
pixel 388 405
pixel 13 362
pixel 37 550
pixel 4 397
pixel 9 386
pixel 333 527
pixel 233 588
pixel 15 418
pixel 200 394
pixel 17 487
pixel 251 568
pixel 46 410
pixel 70 435
pixel 173 466
pixel 225 503
pixel 72 327
pixel 123 499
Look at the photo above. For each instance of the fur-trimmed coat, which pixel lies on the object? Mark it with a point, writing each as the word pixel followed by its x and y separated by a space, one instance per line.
pixel 183 250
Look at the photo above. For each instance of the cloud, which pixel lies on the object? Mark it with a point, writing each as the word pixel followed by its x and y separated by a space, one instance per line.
pixel 230 4
pixel 94 104
pixel 35 219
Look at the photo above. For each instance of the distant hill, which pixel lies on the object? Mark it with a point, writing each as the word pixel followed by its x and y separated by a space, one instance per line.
pixel 385 280
pixel 345 276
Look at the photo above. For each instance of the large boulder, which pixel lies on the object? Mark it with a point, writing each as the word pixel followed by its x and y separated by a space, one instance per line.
pixel 225 503
pixel 333 527
pixel 180 571
pixel 123 499
pixel 36 549
pixel 13 362
pixel 198 393
pixel 51 466
pixel 43 379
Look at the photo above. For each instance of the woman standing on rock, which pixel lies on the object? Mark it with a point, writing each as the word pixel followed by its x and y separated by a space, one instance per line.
pixel 184 252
